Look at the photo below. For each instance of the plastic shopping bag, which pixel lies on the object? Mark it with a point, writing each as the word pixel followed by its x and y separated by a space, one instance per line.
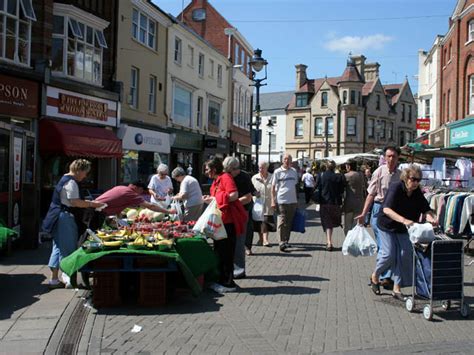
pixel 299 221
pixel 421 233
pixel 166 202
pixel 359 242
pixel 257 210
pixel 178 216
pixel 210 223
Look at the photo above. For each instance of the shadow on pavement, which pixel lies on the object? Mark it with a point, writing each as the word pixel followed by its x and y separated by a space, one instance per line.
pixel 288 254
pixel 279 290
pixel 288 278
pixel 38 256
pixel 19 291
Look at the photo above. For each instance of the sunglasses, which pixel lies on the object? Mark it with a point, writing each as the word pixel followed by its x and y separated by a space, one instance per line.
pixel 414 179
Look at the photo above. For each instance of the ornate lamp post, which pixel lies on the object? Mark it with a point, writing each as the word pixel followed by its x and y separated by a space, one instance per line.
pixel 270 131
pixel 257 63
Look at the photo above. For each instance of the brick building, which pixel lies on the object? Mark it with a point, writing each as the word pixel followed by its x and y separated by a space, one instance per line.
pixel 203 18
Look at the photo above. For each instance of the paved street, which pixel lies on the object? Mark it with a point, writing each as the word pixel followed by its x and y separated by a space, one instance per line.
pixel 307 301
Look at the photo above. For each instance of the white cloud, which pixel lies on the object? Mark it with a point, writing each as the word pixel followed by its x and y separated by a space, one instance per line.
pixel 357 44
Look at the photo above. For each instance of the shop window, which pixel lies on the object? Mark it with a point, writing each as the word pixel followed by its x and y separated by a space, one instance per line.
pixel 77 44
pixel 4 173
pixel 351 126
pixel 213 116
pixel 318 126
pixel 140 165
pixel 181 106
pixel 143 29
pixel 15 30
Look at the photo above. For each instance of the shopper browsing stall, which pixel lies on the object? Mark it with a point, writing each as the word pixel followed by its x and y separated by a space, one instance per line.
pixel 190 193
pixel 160 184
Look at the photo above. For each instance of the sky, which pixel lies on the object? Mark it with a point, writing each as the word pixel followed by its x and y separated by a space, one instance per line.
pixel 322 33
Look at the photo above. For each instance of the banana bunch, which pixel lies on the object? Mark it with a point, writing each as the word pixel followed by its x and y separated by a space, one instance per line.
pixel 158 236
pixel 139 240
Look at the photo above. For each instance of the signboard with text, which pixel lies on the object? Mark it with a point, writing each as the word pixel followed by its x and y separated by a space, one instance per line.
pixel 423 124
pixel 134 138
pixel 18 97
pixel 461 135
pixel 79 107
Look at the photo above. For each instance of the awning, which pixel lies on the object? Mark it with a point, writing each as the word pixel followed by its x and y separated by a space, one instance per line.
pixel 342 159
pixel 78 140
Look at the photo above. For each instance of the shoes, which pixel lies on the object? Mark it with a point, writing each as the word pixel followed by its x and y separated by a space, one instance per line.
pixel 284 247
pixel 259 243
pixel 218 288
pixel 375 287
pixel 248 252
pixel 399 296
pixel 240 276
pixel 54 284
pixel 387 284
pixel 267 244
pixel 329 247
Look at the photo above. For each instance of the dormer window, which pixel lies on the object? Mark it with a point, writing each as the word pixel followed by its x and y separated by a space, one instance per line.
pixel 324 99
pixel 15 30
pixel 301 100
pixel 78 44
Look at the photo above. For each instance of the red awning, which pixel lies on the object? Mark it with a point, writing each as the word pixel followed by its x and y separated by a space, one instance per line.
pixel 78 140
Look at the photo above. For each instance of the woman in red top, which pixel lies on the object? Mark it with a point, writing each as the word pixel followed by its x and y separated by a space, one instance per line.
pixel 223 189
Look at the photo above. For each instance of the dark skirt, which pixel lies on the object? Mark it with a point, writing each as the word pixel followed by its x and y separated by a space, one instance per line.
pixel 267 225
pixel 330 216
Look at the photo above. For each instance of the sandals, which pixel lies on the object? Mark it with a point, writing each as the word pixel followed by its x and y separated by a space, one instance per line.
pixel 399 296
pixel 329 247
pixel 375 287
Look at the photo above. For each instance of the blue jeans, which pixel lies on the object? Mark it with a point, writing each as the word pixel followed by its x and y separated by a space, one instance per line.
pixel 376 211
pixel 65 236
pixel 396 253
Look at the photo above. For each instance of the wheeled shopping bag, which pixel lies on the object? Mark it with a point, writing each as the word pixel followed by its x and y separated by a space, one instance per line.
pixel 438 276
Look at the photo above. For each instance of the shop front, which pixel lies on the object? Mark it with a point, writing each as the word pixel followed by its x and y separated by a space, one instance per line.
pixel 244 153
pixel 186 151
pixel 143 151
pixel 215 146
pixel 78 126
pixel 19 110
pixel 461 133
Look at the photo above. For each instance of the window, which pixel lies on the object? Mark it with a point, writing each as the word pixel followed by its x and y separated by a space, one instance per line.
pixel 324 99
pixel 448 105
pixel 381 129
pixel 219 75
pixel 201 65
pixel 242 60
pixel 409 114
pixel 344 97
pixel 236 54
pixel 370 128
pixel 191 56
pixel 318 126
pixel 273 119
pixel 152 95
pixel 299 127
pixel 390 130
pixel 330 123
pixel 301 100
pixel 144 29
pixel 15 30
pixel 353 97
pixel 428 102
pixel 403 112
pixel 351 125
pixel 77 47
pixel 359 98
pixel 471 94
pixel 177 50
pixel 470 33
pixel 199 112
pixel 133 99
pixel 377 103
pixel 402 138
pixel 273 142
pixel 211 68
pixel 181 106
pixel 300 154
pixel 236 106
pixel 213 115
pixel 450 55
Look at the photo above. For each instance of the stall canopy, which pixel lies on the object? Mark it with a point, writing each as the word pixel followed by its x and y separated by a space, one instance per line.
pixel 342 159
pixel 78 140
pixel 425 153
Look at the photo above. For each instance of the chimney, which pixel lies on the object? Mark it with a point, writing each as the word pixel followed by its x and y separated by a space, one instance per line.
pixel 372 71
pixel 300 75
pixel 359 61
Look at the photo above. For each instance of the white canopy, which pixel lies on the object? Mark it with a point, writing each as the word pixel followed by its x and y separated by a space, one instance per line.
pixel 341 159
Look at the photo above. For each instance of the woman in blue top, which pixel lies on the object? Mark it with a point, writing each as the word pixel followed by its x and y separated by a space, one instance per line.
pixel 403 206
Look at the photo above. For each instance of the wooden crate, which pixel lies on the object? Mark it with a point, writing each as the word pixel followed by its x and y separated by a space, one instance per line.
pixel 152 289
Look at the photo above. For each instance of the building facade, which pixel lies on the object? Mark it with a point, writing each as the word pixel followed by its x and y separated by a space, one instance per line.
pixel 273 109
pixel 197 103
pixel 206 21
pixel 142 40
pixel 352 113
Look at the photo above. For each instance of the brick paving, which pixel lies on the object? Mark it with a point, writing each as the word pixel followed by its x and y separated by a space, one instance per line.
pixel 304 302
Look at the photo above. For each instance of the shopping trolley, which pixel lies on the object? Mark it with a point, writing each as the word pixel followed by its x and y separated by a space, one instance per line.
pixel 438 276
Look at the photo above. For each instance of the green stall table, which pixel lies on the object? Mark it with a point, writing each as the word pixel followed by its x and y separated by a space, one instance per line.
pixel 193 256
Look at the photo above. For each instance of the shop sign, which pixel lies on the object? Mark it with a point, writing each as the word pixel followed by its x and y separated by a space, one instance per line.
pixel 210 143
pixel 243 149
pixel 187 140
pixel 423 124
pixel 18 97
pixel 134 138
pixel 461 135
pixel 78 107
pixel 437 138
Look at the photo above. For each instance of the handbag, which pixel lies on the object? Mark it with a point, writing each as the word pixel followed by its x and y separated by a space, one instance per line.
pixel 299 221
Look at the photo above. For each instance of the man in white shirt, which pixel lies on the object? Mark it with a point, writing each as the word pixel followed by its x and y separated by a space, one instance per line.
pixel 284 198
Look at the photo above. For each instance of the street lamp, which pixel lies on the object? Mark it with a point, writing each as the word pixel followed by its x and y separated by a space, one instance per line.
pixel 257 63
pixel 270 131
